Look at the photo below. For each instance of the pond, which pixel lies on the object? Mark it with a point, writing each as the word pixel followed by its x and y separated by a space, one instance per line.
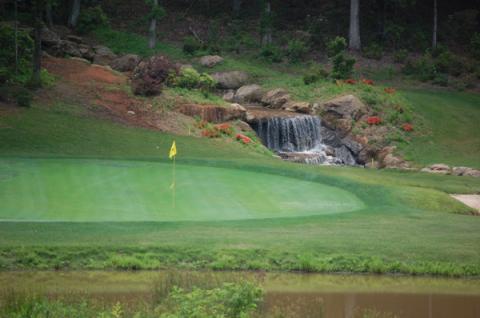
pixel 293 295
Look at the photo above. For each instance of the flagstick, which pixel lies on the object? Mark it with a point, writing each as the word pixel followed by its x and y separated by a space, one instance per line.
pixel 174 182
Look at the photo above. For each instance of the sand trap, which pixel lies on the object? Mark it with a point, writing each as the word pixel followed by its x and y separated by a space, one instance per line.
pixel 472 200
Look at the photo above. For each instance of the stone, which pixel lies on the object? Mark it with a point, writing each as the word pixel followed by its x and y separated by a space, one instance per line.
pixel 348 106
pixel 229 96
pixel 125 63
pixel 70 48
pixel 329 137
pixel 352 145
pixel 86 51
pixel 214 113
pixel 103 55
pixel 243 126
pixel 465 171
pixel 75 39
pixel 210 60
pixel 298 107
pixel 275 98
pixel 149 76
pixel 131 112
pixel 80 59
pixel 248 93
pixel 392 162
pixel 438 168
pixel 49 37
pixel 230 80
pixel 344 154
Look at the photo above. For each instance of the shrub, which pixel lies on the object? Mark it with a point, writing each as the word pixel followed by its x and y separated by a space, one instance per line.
pixel 296 50
pixel 191 45
pixel 336 46
pixel 350 81
pixel 390 90
pixel 272 53
pixel 400 56
pixel 224 129
pixel 190 78
pixel 342 66
pixel 407 127
pixel 368 82
pixel 373 51
pixel 441 80
pixel 91 19
pixel 475 45
pixel 423 68
pixel 244 139
pixel 23 97
pixel 314 74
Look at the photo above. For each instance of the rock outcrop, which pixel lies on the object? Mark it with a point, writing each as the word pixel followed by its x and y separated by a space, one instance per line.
pixel 275 98
pixel 298 107
pixel 125 63
pixel 438 168
pixel 341 112
pixel 465 171
pixel 230 80
pixel 210 60
pixel 248 94
pixel 214 113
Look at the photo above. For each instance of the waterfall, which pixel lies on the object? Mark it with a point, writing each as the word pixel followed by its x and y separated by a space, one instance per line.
pixel 299 139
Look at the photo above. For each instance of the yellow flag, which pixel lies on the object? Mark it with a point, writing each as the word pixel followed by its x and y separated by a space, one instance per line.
pixel 173 151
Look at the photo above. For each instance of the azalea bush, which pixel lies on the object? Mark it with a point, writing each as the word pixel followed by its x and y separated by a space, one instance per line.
pixel 407 127
pixel 243 139
pixel 374 120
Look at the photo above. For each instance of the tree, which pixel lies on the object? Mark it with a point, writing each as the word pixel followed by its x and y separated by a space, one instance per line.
pixel 48 13
pixel 74 14
pixel 236 7
pixel 267 24
pixel 37 53
pixel 354 33
pixel 435 24
pixel 157 12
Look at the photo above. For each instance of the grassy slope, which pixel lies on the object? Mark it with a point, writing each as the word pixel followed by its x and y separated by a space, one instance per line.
pixel 402 227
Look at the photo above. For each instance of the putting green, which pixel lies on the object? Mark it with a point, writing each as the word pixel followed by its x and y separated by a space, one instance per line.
pixel 98 190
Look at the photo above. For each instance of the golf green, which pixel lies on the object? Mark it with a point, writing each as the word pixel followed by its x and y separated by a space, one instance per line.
pixel 105 190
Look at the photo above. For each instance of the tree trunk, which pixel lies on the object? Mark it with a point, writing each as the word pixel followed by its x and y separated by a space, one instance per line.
pixel 37 54
pixel 75 13
pixel 48 13
pixel 236 8
pixel 267 35
pixel 435 24
pixel 152 38
pixel 354 34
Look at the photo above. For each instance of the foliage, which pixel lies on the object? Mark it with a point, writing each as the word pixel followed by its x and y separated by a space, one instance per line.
pixel 374 120
pixel 191 45
pixel 314 74
pixel 271 53
pixel 296 50
pixel 342 66
pixel 90 19
pixel 228 301
pixel 336 46
pixel 244 139
pixel 157 11
pixel 440 79
pixel 475 45
pixel 7 55
pixel 190 78
pixel 400 56
pixel 373 51
pixel 423 68
pixel 23 97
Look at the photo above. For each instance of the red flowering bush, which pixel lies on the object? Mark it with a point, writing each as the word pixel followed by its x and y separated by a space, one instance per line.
pixel 390 90
pixel 202 124
pixel 225 129
pixel 407 127
pixel 374 120
pixel 367 82
pixel 350 81
pixel 210 132
pixel 244 139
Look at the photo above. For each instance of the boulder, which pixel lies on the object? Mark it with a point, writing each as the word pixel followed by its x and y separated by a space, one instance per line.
pixel 243 126
pixel 86 51
pixel 248 93
pixel 125 63
pixel 275 98
pixel 75 39
pixel 70 48
pixel 352 145
pixel 386 159
pixel 103 55
pixel 149 76
pixel 229 96
pixel 343 153
pixel 438 168
pixel 329 137
pixel 230 80
pixel 213 113
pixel 210 60
pixel 465 171
pixel 298 107
pixel 49 38
pixel 348 106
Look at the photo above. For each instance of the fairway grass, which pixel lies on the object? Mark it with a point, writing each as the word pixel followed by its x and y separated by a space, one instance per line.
pixel 106 190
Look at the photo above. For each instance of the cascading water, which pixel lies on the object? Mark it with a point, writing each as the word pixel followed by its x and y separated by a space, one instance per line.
pixel 299 139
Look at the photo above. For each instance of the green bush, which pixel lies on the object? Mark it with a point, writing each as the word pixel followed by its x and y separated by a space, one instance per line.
pixel 228 301
pixel 23 97
pixel 91 19
pixel 336 46
pixel 191 45
pixel 422 68
pixel 314 74
pixel 374 51
pixel 296 50
pixel 441 79
pixel 342 66
pixel 190 78
pixel 272 53
pixel 400 56
pixel 7 56
pixel 475 45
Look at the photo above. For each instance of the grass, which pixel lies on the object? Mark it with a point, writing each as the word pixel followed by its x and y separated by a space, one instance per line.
pixel 453 120
pixel 399 226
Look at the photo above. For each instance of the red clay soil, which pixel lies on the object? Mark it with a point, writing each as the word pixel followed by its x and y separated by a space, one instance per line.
pixel 105 92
